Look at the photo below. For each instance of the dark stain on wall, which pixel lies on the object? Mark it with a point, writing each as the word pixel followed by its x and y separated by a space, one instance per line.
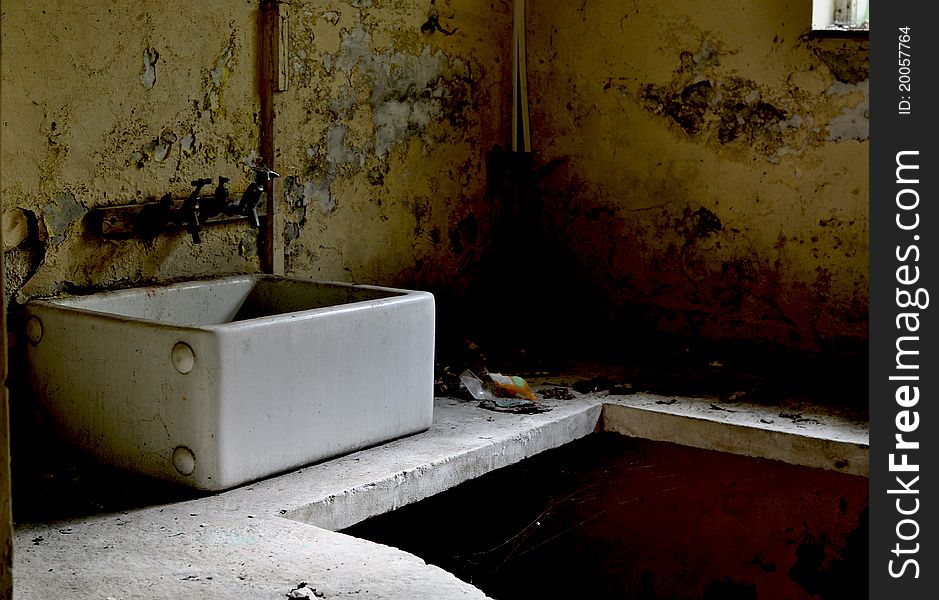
pixel 691 105
pixel 456 244
pixel 729 110
pixel 291 232
pixel 376 177
pixel 748 120
pixel 682 194
pixel 421 209
pixel 687 107
pixel 464 233
pixel 701 223
pixel 680 288
pixel 458 99
pixel 296 218
pixel 848 60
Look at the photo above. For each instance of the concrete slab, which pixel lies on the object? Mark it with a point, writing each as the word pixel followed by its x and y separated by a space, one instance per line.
pixel 257 541
pixel 808 436
pixel 466 442
pixel 238 544
pixel 191 551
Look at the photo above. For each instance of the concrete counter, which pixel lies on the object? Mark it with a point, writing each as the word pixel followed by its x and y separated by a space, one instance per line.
pixel 262 540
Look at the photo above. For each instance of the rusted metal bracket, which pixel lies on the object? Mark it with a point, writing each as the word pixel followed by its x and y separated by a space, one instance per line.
pixel 149 219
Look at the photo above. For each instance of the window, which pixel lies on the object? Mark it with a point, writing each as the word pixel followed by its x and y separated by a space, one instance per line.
pixel 840 15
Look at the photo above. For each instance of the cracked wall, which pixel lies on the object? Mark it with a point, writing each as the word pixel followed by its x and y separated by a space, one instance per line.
pixel 381 137
pixel 117 104
pixel 704 171
pixel 383 146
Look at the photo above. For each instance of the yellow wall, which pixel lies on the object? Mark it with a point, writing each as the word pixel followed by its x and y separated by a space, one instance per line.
pixel 84 127
pixel 702 166
pixel 381 136
pixel 698 166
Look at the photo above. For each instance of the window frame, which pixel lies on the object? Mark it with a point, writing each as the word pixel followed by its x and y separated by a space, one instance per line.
pixel 840 17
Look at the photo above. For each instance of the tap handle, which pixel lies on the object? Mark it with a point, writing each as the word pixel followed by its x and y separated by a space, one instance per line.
pixel 154 218
pixel 221 190
pixel 249 203
pixel 220 201
pixel 191 209
pixel 165 208
pixel 193 226
pixel 191 215
pixel 262 174
pixel 195 229
pixel 198 184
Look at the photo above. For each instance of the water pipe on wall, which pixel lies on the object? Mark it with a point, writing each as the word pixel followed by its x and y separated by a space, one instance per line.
pixel 273 78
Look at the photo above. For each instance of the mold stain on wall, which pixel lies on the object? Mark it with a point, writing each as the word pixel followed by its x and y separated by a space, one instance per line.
pixel 120 104
pixel 704 171
pixel 383 148
pixel 381 137
pixel 700 171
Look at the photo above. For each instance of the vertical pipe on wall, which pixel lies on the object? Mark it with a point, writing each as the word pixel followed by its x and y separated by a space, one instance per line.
pixel 273 78
pixel 515 24
pixel 521 134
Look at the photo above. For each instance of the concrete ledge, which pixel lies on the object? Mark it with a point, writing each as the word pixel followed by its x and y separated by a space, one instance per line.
pixel 190 550
pixel 238 544
pixel 471 443
pixel 811 440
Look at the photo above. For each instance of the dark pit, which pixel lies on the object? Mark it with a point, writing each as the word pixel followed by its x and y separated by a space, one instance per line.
pixel 614 517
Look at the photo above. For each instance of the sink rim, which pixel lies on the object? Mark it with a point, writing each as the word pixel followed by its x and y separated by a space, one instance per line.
pixel 71 303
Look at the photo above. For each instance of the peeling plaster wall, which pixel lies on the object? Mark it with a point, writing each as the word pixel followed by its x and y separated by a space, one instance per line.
pixel 703 169
pixel 699 170
pixel 113 104
pixel 383 134
pixel 381 137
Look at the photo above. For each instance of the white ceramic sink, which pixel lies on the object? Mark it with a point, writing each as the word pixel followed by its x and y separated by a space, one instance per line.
pixel 216 383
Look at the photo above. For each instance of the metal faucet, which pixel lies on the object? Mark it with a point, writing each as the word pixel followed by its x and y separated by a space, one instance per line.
pixel 217 203
pixel 196 209
pixel 192 208
pixel 248 206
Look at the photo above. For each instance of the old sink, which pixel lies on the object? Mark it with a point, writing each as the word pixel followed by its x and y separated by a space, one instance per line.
pixel 219 382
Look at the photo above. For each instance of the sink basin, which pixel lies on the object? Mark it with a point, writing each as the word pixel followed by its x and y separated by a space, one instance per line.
pixel 216 383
